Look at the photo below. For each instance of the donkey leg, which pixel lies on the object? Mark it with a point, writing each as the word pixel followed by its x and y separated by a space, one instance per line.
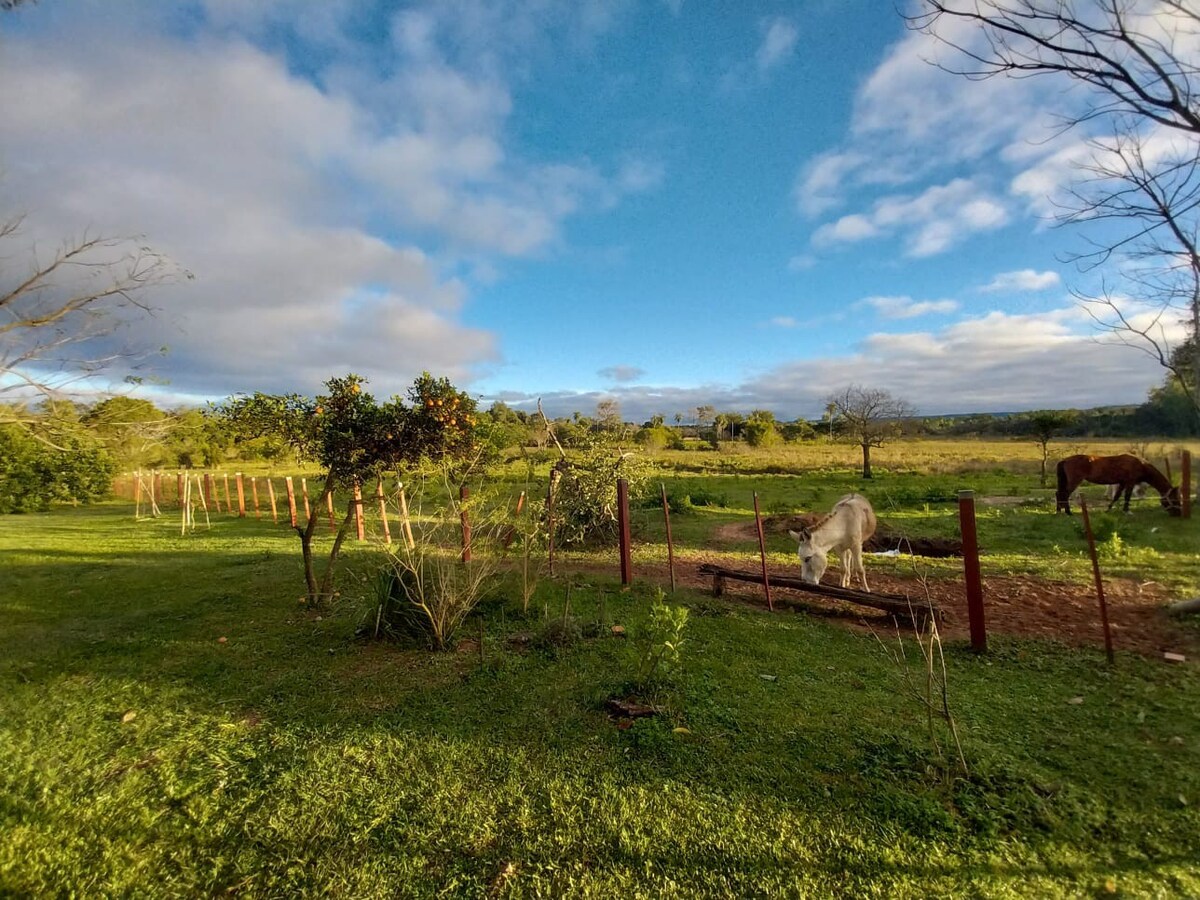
pixel 862 570
pixel 847 563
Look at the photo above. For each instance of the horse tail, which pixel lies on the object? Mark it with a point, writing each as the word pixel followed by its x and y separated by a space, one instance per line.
pixel 1064 491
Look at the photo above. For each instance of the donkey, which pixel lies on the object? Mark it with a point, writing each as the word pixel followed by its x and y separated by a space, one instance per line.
pixel 849 523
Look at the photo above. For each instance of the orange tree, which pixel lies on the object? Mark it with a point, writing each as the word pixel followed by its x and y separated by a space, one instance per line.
pixel 355 439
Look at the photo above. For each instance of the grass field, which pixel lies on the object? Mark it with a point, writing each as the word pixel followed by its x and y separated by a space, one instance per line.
pixel 174 723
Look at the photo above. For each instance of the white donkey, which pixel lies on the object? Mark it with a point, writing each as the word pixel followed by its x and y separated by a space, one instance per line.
pixel 849 523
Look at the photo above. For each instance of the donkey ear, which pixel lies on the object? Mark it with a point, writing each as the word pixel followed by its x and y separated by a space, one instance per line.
pixel 800 536
pixel 795 535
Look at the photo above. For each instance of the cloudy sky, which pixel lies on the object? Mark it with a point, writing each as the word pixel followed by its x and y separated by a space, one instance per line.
pixel 666 202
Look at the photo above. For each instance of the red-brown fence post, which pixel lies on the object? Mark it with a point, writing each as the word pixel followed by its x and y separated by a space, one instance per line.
pixel 271 495
pixel 291 495
pixel 387 530
pixel 463 495
pixel 360 526
pixel 762 553
pixel 670 545
pixel 1087 529
pixel 971 574
pixel 241 494
pixel 228 495
pixel 1185 482
pixel 304 493
pixel 179 489
pixel 254 494
pixel 623 529
pixel 210 492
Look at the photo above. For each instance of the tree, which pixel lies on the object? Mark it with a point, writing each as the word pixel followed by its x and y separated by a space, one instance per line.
pixel 1044 424
pixel 355 439
pixel 55 310
pixel 761 430
pixel 869 417
pixel 1137 64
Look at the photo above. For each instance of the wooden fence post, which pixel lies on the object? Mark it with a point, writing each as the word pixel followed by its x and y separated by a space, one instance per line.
pixel 329 506
pixel 291 495
pixel 970 544
pixel 209 492
pixel 228 496
pixel 387 531
pixel 271 495
pixel 179 489
pixel 550 521
pixel 254 495
pixel 358 512
pixel 241 495
pixel 762 554
pixel 307 508
pixel 1087 529
pixel 670 546
pixel 463 495
pixel 623 528
pixel 405 525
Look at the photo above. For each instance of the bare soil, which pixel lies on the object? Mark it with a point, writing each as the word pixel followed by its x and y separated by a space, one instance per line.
pixel 1018 605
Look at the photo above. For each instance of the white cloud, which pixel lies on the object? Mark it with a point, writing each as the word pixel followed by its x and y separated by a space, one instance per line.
pixel 621 373
pixel 322 218
pixel 779 40
pixel 907 307
pixel 1026 280
pixel 784 322
pixel 931 222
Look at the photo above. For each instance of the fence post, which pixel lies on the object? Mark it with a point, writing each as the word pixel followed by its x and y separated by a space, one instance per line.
pixel 970 542
pixel 404 523
pixel 179 491
pixel 241 492
pixel 1087 529
pixel 550 520
pixel 307 508
pixel 360 526
pixel 387 530
pixel 271 495
pixel 623 528
pixel 329 506
pixel 762 553
pixel 209 492
pixel 670 546
pixel 463 495
pixel 254 494
pixel 291 495
pixel 1185 482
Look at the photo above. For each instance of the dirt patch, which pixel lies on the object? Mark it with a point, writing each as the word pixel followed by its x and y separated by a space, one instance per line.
pixel 1018 606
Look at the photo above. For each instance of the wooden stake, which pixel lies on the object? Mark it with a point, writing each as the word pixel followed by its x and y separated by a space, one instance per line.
pixel 463 495
pixel 329 504
pixel 623 529
pixel 404 523
pixel 1087 528
pixel 304 491
pixel 254 494
pixel 550 522
pixel 137 502
pixel 271 495
pixel 971 573
pixel 203 504
pixel 387 531
pixel 670 545
pixel 359 525
pixel 1185 483
pixel 228 496
pixel 291 495
pixel 209 492
pixel 762 553
pixel 241 494
pixel 179 488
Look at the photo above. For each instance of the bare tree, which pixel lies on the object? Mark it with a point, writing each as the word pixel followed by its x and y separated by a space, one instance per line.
pixel 1139 65
pixel 869 417
pixel 56 307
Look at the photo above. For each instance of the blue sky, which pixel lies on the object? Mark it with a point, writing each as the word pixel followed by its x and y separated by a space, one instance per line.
pixel 669 202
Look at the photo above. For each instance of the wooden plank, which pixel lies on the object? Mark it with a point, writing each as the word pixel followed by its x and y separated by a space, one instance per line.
pixel 892 603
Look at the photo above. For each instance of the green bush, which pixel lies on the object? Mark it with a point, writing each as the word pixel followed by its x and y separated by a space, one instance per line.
pixel 34 474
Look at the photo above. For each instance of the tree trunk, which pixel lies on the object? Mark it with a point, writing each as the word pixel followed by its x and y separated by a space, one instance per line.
pixel 306 537
pixel 1045 453
pixel 327 578
pixel 866 448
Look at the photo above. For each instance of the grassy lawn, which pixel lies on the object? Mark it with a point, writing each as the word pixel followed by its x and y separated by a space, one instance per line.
pixel 142 755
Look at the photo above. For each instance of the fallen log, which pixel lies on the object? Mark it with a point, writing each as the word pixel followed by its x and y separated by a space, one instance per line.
pixel 896 605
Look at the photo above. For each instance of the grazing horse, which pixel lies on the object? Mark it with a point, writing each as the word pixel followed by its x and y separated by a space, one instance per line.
pixel 849 523
pixel 1124 471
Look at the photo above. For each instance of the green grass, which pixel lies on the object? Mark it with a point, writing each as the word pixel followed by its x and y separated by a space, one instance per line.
pixel 142 756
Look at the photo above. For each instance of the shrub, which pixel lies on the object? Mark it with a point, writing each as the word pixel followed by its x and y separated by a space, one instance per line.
pixel 34 474
pixel 585 499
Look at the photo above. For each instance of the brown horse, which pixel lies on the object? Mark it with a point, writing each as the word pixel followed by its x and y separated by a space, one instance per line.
pixel 1124 471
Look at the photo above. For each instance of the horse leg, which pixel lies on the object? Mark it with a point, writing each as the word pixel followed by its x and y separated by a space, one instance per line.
pixel 1128 495
pixel 1117 496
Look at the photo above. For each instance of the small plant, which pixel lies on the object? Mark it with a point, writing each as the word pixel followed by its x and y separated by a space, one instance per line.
pixel 664 638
